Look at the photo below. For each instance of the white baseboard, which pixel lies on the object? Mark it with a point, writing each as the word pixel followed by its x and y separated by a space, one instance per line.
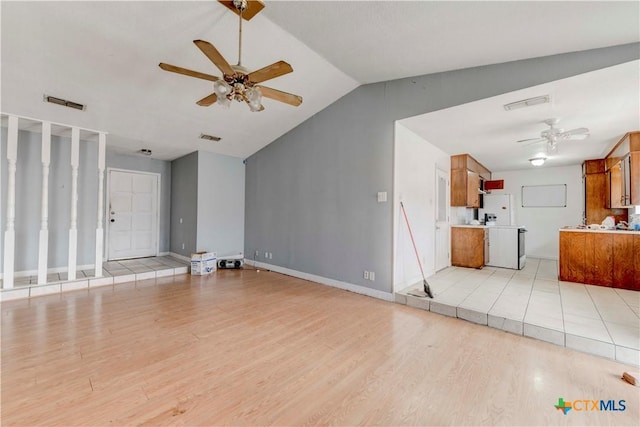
pixel 545 257
pixel 182 257
pixel 26 273
pixel 386 296
pixel 163 253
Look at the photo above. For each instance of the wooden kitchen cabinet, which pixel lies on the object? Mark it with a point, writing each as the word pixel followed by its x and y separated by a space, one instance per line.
pixel 598 203
pixel 572 256
pixel 636 262
pixel 623 261
pixel 473 187
pixel 600 258
pixel 634 171
pixel 467 175
pixel 623 169
pixel 616 198
pixel 468 246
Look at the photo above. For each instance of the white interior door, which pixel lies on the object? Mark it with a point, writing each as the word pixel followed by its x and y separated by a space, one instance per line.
pixel 133 214
pixel 442 220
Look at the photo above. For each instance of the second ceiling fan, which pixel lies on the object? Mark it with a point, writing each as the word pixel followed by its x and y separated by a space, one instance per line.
pixel 553 135
pixel 237 82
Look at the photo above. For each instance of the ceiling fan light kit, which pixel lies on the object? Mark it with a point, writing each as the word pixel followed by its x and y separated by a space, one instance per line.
pixel 237 82
pixel 538 161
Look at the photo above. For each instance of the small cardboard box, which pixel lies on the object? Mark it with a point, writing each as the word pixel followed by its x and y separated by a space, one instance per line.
pixel 203 263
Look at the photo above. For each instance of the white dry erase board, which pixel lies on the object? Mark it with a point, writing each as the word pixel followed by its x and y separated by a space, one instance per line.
pixel 544 196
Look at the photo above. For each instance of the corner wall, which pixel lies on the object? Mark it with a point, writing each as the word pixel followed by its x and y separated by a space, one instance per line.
pixel 415 164
pixel 220 204
pixel 184 204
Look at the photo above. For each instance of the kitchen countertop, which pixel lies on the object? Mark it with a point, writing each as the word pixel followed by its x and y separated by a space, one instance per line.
pixel 587 230
pixel 488 226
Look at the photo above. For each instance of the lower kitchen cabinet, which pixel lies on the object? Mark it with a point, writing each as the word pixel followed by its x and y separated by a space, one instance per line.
pixel 623 265
pixel 600 258
pixel 572 256
pixel 636 262
pixel 468 246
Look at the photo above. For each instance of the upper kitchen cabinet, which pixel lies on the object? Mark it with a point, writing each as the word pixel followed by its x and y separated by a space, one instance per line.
pixel 598 200
pixel 623 172
pixel 467 177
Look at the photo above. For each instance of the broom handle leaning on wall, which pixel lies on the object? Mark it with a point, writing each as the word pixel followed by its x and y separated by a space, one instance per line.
pixel 412 240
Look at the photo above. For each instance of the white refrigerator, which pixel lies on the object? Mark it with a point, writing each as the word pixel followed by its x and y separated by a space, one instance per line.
pixel 502 205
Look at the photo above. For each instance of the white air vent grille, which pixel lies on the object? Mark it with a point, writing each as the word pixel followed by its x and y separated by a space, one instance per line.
pixel 544 99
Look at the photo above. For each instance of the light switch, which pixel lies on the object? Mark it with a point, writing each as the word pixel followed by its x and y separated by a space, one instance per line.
pixel 382 196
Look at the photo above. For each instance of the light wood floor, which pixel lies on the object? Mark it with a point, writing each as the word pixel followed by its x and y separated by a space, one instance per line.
pixel 249 348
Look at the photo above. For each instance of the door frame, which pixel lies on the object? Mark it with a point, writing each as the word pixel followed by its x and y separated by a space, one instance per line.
pixel 108 198
pixel 447 175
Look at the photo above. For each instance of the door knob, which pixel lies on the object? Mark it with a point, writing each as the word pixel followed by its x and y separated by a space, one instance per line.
pixel 113 220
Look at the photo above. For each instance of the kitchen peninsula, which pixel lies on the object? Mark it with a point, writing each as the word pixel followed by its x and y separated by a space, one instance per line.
pixel 600 257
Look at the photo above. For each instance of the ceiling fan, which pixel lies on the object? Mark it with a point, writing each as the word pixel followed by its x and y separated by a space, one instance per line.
pixel 238 82
pixel 553 135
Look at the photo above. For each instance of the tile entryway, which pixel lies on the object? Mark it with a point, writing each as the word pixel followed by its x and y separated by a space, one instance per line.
pixel 113 272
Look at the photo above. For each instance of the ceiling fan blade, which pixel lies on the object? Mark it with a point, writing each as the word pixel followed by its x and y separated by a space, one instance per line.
pixel 208 100
pixel 285 97
pixel 530 139
pixel 215 57
pixel 579 133
pixel 269 72
pixel 187 72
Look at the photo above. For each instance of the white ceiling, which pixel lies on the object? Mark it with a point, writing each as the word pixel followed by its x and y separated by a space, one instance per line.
pixel 106 55
pixel 606 101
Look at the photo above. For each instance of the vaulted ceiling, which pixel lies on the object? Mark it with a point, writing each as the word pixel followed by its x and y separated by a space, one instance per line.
pixel 105 55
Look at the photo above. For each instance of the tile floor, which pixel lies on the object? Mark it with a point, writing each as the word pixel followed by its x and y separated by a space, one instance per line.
pixel 534 303
pixel 113 272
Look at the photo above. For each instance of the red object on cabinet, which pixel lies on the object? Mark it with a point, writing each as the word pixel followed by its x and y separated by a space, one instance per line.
pixel 498 184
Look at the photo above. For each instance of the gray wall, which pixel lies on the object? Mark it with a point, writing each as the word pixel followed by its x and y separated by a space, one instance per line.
pixel 310 195
pixel 147 164
pixel 220 204
pixel 28 191
pixel 184 204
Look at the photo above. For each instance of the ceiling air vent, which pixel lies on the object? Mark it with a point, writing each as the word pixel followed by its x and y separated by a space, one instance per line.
pixel 64 102
pixel 210 137
pixel 145 151
pixel 544 99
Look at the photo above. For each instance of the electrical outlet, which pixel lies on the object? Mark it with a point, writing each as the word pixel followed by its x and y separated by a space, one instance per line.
pixel 270 255
pixel 366 275
pixel 372 276
pixel 257 254
pixel 183 246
